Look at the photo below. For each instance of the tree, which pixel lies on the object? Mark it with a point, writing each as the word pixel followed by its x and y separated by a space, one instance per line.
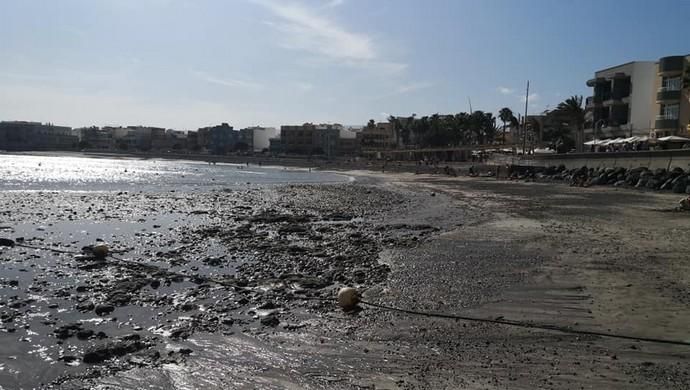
pixel 572 111
pixel 371 124
pixel 505 115
pixel 556 132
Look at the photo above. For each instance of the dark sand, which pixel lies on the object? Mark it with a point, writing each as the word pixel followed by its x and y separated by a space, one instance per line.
pixel 597 259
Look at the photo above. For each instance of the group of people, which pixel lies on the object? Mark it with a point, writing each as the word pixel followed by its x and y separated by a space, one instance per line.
pixel 622 147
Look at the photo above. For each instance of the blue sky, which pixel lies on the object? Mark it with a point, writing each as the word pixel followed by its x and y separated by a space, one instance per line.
pixel 190 63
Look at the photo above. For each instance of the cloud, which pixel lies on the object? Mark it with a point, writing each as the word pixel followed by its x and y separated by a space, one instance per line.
pixel 306 30
pixel 533 97
pixel 334 3
pixel 231 83
pixel 411 87
pixel 506 90
pixel 303 86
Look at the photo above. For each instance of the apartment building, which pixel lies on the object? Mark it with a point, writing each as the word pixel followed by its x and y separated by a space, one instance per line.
pixel 620 105
pixel 672 97
pixel 257 138
pixel 378 136
pixel 644 98
pixel 21 135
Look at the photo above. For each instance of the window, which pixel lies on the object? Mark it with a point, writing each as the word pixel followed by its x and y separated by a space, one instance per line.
pixel 670 111
pixel 671 84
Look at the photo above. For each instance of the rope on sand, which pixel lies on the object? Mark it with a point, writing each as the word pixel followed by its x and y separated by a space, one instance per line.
pixel 499 321
pixel 526 325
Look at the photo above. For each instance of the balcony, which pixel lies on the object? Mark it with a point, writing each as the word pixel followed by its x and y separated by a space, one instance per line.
pixel 595 81
pixel 665 122
pixel 665 94
pixel 673 64
pixel 593 101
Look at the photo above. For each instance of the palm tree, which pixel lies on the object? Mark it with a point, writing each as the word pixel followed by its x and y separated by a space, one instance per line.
pixel 572 111
pixel 505 115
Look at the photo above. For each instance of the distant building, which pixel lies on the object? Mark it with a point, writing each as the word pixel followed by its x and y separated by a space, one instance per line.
pixel 256 139
pixel 275 145
pixel 219 139
pixel 95 138
pixel 672 96
pixel 378 136
pixel 19 135
pixel 297 139
pixel 328 140
pixel 168 140
pixel 193 141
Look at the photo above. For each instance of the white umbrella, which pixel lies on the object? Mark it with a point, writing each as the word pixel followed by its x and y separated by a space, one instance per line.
pixel 674 138
pixel 616 141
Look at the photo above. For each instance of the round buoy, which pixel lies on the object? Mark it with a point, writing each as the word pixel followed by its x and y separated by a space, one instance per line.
pixel 100 251
pixel 348 298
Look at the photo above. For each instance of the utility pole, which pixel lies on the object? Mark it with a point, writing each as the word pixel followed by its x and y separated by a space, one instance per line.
pixel 524 123
pixel 470 102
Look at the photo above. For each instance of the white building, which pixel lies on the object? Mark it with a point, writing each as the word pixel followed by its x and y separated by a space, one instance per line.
pixel 257 138
pixel 621 104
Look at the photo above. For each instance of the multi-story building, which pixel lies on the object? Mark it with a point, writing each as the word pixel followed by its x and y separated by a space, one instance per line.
pixel 95 138
pixel 380 135
pixel 672 96
pixel 218 139
pixel 19 135
pixel 192 141
pixel 621 103
pixel 297 139
pixel 324 139
pixel 257 138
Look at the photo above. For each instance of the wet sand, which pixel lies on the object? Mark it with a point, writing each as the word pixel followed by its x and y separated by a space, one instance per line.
pixel 595 259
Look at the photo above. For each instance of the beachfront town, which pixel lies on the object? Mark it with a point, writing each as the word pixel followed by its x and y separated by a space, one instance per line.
pixel 638 105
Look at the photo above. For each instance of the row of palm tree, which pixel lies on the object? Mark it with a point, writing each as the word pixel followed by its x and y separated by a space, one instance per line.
pixel 561 128
pixel 438 130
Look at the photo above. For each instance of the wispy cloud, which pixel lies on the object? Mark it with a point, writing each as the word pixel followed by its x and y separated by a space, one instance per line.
pixel 506 90
pixel 411 87
pixel 231 83
pixel 303 86
pixel 533 97
pixel 307 30
pixel 334 3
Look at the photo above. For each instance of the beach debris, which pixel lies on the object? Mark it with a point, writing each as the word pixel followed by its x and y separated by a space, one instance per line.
pixel 348 298
pixel 6 242
pixel 100 251
pixel 684 204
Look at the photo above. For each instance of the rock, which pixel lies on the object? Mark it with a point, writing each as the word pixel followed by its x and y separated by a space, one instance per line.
pixel 103 310
pixel 684 204
pixel 84 334
pixel 67 331
pixel 270 320
pixel 99 354
pixel 85 306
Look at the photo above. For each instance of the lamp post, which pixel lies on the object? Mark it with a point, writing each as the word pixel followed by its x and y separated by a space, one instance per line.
pixel 596 127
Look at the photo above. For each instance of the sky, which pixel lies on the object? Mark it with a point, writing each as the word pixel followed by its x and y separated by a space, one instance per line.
pixel 185 64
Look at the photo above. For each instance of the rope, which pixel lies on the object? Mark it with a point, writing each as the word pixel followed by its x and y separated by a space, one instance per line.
pixel 45 248
pixel 527 325
pixel 407 311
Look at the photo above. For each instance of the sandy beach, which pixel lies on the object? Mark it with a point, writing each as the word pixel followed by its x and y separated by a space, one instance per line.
pixel 233 287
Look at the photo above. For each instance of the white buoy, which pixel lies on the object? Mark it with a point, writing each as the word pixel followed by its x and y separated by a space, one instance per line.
pixel 348 298
pixel 100 251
